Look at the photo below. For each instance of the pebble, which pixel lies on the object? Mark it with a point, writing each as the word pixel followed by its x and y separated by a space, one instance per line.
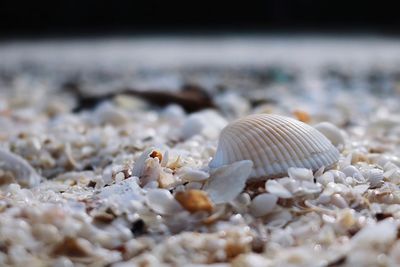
pixel 263 204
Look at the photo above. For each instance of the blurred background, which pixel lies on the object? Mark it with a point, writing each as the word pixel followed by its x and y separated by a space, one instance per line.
pixel 261 50
pixel 37 19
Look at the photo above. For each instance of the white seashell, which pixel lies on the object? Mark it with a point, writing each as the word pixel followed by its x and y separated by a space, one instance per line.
pixel 140 163
pixel 373 176
pixel 339 176
pixel 350 171
pixel 263 204
pixel 274 144
pixel 162 202
pixel 277 189
pixel 165 158
pixel 307 187
pixel 353 172
pixel 227 182
pixel 382 160
pixel 192 175
pixel 300 174
pixel 319 172
pixel 389 166
pixel 333 134
pixel 20 169
pixel 326 178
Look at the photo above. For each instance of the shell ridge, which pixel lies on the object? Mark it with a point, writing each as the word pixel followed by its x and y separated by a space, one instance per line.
pixel 302 133
pixel 276 139
pixel 302 149
pixel 294 143
pixel 277 149
pixel 248 135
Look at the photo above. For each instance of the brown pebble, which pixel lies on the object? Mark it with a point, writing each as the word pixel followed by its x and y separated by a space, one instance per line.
pixel 91 184
pixel 381 216
pixel 358 157
pixel 302 116
pixel 234 249
pixel 156 154
pixel 104 217
pixel 71 247
pixel 194 200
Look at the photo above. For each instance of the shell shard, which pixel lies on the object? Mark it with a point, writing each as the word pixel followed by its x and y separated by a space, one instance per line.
pixel 21 171
pixel 274 143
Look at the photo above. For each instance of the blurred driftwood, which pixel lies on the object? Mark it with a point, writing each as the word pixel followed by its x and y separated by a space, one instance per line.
pixel 191 97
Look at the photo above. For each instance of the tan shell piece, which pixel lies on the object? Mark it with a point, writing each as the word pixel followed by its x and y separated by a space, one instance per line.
pixel 274 143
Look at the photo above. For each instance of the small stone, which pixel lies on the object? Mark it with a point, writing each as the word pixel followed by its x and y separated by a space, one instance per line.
pixel 300 174
pixel 277 189
pixel 194 201
pixel 263 204
pixel 302 116
pixel 73 247
pixel 103 217
pixel 156 154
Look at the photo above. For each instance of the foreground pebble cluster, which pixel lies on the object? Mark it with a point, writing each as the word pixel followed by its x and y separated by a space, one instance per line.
pixel 127 183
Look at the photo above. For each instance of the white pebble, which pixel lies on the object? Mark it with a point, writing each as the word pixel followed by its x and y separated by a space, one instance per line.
pixel 339 201
pixel 263 204
pixel 339 176
pixel 333 133
pixel 326 178
pixel 277 189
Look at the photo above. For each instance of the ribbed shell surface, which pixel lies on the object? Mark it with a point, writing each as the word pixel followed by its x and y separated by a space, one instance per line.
pixel 274 143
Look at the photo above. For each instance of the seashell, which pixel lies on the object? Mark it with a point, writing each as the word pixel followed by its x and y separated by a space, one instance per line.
pixel 140 163
pixel 374 176
pixel 338 176
pixel 162 202
pixel 300 174
pixel 275 188
pixel 333 134
pixel 17 169
pixel 227 182
pixel 193 175
pixel 274 143
pixel 326 178
pixel 353 172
